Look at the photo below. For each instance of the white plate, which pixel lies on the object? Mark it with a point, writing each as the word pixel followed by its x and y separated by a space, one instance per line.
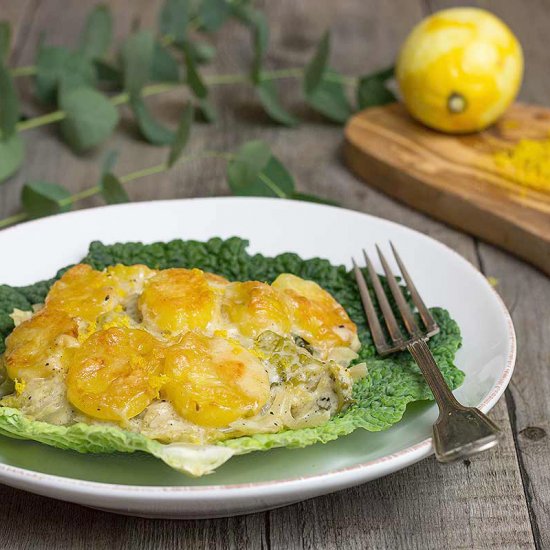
pixel 141 485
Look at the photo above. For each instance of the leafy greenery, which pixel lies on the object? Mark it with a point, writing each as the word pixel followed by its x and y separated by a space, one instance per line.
pixel 112 189
pixel 41 198
pixel 97 35
pixel 87 84
pixel 89 118
pixel 381 398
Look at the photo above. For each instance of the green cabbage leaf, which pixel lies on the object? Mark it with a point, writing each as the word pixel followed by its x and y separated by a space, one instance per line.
pixel 380 399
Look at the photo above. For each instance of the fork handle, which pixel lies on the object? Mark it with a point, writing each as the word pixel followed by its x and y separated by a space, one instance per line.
pixel 459 431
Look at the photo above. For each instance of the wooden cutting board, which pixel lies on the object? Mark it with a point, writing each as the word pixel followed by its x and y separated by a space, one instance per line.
pixel 454 178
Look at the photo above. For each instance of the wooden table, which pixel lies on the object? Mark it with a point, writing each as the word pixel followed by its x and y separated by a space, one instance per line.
pixel 502 498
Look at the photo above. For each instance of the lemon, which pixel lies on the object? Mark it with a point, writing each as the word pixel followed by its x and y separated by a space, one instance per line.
pixel 459 70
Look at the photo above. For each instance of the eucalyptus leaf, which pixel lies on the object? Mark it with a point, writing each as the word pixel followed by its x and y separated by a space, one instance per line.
pixel 260 36
pixel 150 129
pixel 248 162
pixel 137 57
pixel 273 180
pixel 182 135
pixel 202 51
pixel 317 67
pixel 173 20
pixel 164 67
pixel 109 162
pixel 107 72
pixel 12 152
pixel 41 198
pixel 313 198
pixel 56 63
pixel 372 89
pixel 112 190
pixel 90 118
pixel 194 79
pixel 267 92
pixel 213 14
pixel 205 111
pixel 329 98
pixel 98 32
pixel 9 104
pixel 5 40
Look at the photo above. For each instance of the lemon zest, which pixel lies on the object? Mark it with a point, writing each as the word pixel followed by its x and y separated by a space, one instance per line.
pixel 527 163
pixel 20 386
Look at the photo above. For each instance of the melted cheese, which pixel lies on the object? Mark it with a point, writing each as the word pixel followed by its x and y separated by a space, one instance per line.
pixel 33 348
pixel 212 382
pixel 316 316
pixel 181 354
pixel 115 374
pixel 181 299
pixel 254 307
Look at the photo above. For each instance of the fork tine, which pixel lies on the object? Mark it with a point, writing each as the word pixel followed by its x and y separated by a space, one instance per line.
pixel 402 305
pixel 374 324
pixel 427 319
pixel 389 317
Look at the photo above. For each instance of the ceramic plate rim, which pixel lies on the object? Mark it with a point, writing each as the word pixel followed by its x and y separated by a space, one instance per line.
pixel 335 478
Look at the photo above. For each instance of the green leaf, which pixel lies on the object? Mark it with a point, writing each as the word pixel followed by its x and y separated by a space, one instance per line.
pixel 194 79
pixel 317 67
pixel 107 72
pixel 260 35
pixel 182 135
pixel 173 19
pixel 5 40
pixel 213 14
pixel 97 34
pixel 256 172
pixel 41 198
pixel 109 162
pixel 267 93
pixel 11 156
pixel 202 51
pixel 372 89
pixel 112 190
pixel 56 63
pixel 248 162
pixel 137 57
pixel 150 129
pixel 313 198
pixel 205 111
pixel 9 104
pixel 273 181
pixel 90 118
pixel 260 39
pixel 329 99
pixel 164 67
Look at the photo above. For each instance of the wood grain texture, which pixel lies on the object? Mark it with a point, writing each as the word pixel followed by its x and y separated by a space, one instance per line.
pixel 479 505
pixel 455 178
pixel 526 291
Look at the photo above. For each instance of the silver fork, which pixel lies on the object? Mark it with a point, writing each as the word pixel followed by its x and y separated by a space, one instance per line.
pixel 459 431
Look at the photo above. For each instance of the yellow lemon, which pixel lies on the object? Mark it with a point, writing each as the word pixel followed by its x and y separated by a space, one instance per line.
pixel 459 70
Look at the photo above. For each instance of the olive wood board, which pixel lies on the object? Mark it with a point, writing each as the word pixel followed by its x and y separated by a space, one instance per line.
pixel 454 178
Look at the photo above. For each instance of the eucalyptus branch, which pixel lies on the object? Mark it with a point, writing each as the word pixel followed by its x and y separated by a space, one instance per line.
pixel 164 87
pixel 128 178
pixel 74 79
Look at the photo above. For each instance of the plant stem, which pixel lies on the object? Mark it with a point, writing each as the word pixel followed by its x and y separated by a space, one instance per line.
pixel 132 176
pixel 28 70
pixel 16 218
pixel 163 87
pixel 55 116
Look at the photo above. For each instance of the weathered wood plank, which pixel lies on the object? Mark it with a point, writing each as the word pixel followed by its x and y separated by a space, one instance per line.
pixel 427 505
pixel 526 292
